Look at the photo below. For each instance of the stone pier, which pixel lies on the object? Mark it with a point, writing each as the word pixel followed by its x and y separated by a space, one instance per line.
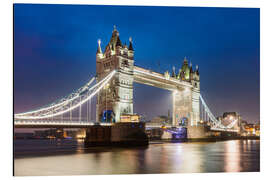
pixel 120 134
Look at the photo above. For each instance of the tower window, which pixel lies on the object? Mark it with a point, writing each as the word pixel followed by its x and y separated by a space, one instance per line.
pixel 125 63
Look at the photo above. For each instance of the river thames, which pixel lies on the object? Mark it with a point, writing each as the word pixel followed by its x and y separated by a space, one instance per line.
pixel 69 157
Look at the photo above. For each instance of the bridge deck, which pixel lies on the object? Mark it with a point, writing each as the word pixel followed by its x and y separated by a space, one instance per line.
pixel 55 124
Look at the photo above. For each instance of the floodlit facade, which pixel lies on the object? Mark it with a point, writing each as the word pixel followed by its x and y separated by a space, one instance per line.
pixel 116 98
pixel 117 95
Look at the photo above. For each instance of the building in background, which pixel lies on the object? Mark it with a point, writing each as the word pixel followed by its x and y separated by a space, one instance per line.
pixel 231 118
pixel 160 121
pixel 130 118
pixel 251 129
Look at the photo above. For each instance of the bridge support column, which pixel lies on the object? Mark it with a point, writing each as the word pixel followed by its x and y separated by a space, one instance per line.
pixel 197 132
pixel 173 111
pixel 182 107
pixel 195 100
pixel 130 134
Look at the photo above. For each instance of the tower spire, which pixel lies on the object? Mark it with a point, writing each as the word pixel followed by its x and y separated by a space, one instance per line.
pixel 130 44
pixel 190 65
pixel 118 42
pixel 99 51
pixel 173 72
pixel 185 60
pixel 197 69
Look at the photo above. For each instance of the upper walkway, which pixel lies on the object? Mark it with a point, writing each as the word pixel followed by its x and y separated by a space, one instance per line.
pixel 148 77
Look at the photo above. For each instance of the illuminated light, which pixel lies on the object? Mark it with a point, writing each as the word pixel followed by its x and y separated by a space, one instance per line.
pixel 136 69
pixel 54 123
pixel 80 136
pixel 59 104
pixel 68 100
pixel 72 107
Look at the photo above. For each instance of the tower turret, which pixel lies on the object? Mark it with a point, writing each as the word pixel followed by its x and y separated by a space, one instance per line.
pixel 185 70
pixel 99 53
pixel 197 73
pixel 190 71
pixel 196 78
pixel 173 72
pixel 118 42
pixel 130 47
pixel 197 70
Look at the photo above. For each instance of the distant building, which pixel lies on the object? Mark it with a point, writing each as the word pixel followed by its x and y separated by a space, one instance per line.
pixel 160 120
pixel 251 130
pixel 257 129
pixel 129 118
pixel 229 117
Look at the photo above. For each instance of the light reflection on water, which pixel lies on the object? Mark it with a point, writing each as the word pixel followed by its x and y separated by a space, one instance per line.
pixel 69 158
pixel 232 159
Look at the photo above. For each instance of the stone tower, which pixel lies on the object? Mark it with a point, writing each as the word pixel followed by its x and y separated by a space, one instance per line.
pixel 116 98
pixel 186 105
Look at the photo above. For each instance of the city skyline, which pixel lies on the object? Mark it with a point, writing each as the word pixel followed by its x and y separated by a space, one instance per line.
pixel 55 52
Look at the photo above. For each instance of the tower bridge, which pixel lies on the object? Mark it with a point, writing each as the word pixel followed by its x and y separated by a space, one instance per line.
pixel 113 88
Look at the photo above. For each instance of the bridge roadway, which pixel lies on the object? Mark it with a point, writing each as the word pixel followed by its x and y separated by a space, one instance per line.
pixel 156 125
pixel 54 124
pixel 83 124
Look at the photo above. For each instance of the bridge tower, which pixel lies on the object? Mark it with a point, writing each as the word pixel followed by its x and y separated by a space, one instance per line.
pixel 186 106
pixel 116 98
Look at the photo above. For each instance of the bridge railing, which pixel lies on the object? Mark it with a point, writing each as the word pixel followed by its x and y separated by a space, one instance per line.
pixel 57 122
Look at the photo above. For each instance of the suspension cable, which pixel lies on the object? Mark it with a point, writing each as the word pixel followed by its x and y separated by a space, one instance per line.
pixel 69 98
pixel 44 115
pixel 211 117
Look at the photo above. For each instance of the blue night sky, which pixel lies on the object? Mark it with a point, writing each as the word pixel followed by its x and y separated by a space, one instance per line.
pixel 55 51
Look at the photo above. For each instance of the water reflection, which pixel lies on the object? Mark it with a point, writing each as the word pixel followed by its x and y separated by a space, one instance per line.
pixel 232 156
pixel 226 156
